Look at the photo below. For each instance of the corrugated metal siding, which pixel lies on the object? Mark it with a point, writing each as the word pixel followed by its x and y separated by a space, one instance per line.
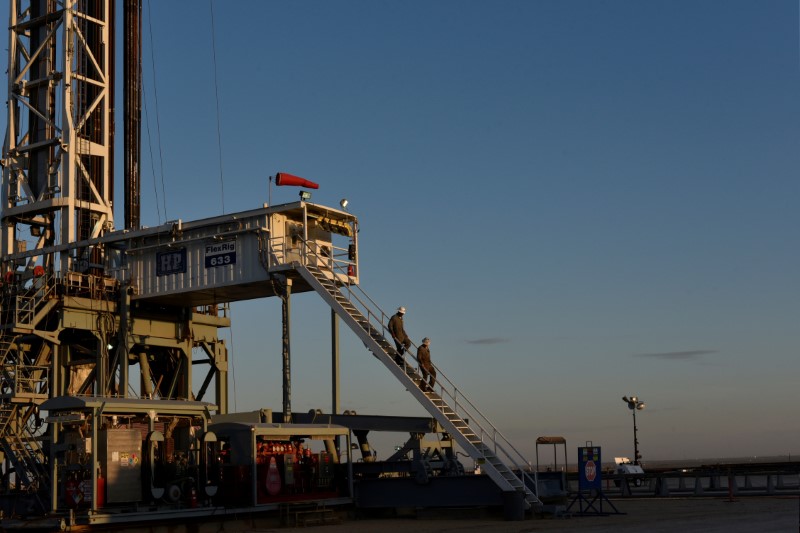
pixel 246 269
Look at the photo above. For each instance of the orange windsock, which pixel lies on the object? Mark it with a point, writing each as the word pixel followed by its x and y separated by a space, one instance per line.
pixel 282 178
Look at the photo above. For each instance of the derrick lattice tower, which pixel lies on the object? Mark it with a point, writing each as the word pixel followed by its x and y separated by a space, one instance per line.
pixel 57 155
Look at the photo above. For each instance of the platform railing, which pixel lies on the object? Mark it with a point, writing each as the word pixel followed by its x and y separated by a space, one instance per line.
pixel 282 251
pixel 29 298
pixel 340 269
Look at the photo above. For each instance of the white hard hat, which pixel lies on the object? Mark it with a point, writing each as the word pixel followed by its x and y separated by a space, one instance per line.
pixel 426 340
pixel 401 309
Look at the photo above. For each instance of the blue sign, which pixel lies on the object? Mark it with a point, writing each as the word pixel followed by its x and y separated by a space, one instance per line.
pixel 171 262
pixel 220 254
pixel 589 468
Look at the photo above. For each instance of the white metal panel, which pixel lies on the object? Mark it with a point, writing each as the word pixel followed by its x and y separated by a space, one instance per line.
pixel 228 258
pixel 153 278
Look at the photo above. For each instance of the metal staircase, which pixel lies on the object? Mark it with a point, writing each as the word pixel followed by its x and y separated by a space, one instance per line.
pixel 21 389
pixel 478 437
pixel 22 448
pixel 32 305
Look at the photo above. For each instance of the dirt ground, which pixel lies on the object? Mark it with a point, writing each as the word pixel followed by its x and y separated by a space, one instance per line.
pixel 707 515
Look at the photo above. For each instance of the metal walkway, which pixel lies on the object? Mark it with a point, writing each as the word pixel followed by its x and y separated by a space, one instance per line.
pixel 478 437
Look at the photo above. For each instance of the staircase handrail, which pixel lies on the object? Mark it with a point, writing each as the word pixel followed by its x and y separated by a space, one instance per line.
pixel 7 412
pixel 340 269
pixel 25 381
pixel 28 300
pixel 6 346
pixel 476 417
pixel 23 449
pixel 498 439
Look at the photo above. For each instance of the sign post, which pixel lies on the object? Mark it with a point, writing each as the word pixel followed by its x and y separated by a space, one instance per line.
pixel 590 482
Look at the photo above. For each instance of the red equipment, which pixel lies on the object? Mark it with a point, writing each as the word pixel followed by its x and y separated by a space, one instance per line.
pixel 282 178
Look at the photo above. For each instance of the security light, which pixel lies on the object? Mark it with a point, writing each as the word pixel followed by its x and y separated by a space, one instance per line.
pixel 634 405
pixel 305 195
pixel 343 202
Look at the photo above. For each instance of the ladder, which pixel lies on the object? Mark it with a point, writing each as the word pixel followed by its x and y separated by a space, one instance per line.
pixel 446 403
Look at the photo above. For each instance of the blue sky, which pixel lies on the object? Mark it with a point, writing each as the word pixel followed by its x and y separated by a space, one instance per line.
pixel 575 200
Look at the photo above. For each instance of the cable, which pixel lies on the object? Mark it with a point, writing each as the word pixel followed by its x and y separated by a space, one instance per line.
pixel 216 96
pixel 158 121
pixel 150 147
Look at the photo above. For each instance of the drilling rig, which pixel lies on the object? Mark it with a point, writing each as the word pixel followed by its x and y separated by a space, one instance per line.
pixel 114 385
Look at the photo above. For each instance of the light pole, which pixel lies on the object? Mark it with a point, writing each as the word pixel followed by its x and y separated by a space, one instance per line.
pixel 634 405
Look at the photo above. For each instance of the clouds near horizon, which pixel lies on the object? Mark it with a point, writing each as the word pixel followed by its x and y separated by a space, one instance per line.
pixel 688 355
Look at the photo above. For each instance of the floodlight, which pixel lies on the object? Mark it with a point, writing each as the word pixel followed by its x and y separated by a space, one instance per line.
pixel 305 195
pixel 634 405
pixel 343 202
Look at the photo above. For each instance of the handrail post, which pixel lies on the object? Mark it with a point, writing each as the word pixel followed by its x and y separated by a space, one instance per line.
pixel 305 235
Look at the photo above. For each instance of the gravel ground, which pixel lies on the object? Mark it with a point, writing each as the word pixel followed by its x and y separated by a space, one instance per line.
pixel 707 515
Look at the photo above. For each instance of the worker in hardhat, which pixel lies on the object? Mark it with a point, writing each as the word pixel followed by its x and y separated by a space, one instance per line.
pixel 398 332
pixel 425 366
